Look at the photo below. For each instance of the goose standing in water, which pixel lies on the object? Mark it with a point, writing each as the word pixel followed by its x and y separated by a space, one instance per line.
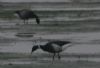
pixel 54 47
pixel 26 15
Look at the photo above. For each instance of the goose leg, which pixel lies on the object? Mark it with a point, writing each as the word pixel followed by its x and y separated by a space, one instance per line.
pixel 59 57
pixel 54 56
pixel 24 21
pixel 27 22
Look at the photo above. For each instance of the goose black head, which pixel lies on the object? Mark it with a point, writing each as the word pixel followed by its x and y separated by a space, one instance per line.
pixel 34 48
pixel 17 12
pixel 37 19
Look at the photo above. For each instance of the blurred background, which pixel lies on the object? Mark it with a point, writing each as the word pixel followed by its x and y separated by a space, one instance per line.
pixel 68 15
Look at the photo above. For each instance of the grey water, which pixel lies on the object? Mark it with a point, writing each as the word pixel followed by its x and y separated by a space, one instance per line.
pixel 70 17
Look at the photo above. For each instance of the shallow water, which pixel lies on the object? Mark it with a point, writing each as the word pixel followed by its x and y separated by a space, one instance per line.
pixel 83 43
pixel 46 60
pixel 72 20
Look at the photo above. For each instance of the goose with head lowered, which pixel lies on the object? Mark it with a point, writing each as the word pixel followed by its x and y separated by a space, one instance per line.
pixel 26 14
pixel 55 47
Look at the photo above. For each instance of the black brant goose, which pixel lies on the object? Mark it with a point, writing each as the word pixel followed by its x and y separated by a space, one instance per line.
pixel 26 15
pixel 54 47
